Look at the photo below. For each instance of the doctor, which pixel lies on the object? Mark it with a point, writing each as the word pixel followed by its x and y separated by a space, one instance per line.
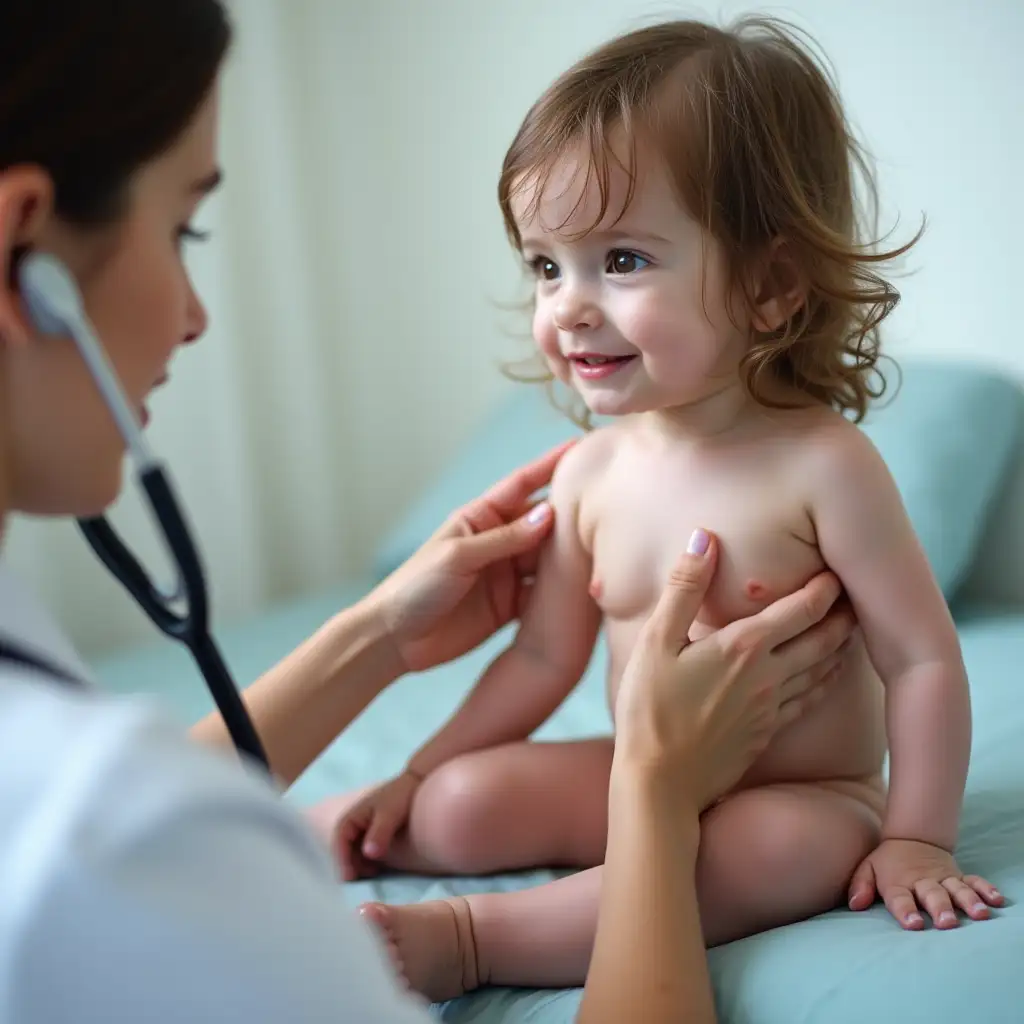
pixel 147 875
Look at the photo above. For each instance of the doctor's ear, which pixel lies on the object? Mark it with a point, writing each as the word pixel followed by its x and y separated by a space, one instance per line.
pixel 26 206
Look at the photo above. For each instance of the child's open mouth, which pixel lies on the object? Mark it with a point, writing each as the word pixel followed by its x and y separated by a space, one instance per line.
pixel 594 367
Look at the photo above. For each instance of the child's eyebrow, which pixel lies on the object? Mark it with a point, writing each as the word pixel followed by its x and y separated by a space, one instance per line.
pixel 609 236
pixel 619 234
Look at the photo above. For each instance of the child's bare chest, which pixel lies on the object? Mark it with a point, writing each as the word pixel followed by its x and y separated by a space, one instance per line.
pixel 642 516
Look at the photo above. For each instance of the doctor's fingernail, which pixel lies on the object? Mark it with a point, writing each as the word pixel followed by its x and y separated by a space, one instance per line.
pixel 914 919
pixel 699 541
pixel 539 514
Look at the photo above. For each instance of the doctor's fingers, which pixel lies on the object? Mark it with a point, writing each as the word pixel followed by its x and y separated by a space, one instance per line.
pixel 509 499
pixel 804 690
pixel 814 649
pixel 512 541
pixel 511 495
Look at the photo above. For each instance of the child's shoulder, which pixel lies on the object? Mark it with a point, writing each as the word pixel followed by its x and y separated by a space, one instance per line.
pixel 827 444
pixel 817 429
pixel 584 462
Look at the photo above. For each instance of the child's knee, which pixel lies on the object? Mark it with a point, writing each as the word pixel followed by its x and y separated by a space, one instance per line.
pixel 784 845
pixel 454 815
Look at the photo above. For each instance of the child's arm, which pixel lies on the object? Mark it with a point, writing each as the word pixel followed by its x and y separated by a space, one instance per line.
pixel 524 685
pixel 516 694
pixel 867 539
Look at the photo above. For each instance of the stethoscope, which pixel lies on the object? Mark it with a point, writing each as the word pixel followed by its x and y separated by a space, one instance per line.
pixel 55 306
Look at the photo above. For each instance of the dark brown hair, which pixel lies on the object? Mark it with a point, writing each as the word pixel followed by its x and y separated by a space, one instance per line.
pixel 750 126
pixel 90 90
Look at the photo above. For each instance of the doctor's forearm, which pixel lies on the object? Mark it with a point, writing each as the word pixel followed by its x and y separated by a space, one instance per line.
pixel 649 961
pixel 302 704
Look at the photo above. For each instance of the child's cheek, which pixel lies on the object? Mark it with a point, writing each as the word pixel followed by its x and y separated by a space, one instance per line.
pixel 545 334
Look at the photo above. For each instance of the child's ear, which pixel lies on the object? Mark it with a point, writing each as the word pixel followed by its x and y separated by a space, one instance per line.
pixel 780 290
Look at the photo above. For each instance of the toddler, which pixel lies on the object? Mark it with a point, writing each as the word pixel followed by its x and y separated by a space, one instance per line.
pixel 685 200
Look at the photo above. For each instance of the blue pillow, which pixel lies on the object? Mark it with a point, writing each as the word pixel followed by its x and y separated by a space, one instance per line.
pixel 947 435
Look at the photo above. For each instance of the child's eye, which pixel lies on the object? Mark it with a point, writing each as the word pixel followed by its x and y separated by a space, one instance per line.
pixel 623 261
pixel 543 268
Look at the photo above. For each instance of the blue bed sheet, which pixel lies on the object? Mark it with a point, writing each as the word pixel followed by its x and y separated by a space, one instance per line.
pixel 839 968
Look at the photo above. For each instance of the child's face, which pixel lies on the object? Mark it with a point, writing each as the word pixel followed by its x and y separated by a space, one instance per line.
pixel 620 314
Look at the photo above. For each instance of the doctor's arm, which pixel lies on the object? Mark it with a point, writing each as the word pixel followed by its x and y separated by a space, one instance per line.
pixel 301 704
pixel 466 582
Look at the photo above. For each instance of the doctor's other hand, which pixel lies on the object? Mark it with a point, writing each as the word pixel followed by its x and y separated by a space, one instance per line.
pixel 703 710
pixel 473 576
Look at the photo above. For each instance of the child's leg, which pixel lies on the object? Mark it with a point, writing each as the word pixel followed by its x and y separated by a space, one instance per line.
pixel 769 856
pixel 522 805
pixel 540 937
pixel 778 854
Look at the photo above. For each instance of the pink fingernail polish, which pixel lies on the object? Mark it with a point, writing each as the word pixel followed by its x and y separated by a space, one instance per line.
pixel 699 541
pixel 539 514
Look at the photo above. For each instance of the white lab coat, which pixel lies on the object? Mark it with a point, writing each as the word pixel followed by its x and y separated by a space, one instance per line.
pixel 143 878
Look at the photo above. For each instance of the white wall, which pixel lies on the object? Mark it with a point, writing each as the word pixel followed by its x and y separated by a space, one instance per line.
pixel 359 266
pixel 934 86
pixel 936 89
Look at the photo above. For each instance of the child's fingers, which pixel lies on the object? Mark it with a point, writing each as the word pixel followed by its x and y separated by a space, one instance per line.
pixel 899 901
pixel 347 838
pixel 862 890
pixel 935 900
pixel 383 826
pixel 345 845
pixel 986 890
pixel 363 868
pixel 967 899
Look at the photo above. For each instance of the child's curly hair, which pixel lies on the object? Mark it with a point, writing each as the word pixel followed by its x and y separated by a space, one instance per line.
pixel 751 129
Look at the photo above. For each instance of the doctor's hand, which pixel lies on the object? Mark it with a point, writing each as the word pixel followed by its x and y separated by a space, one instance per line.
pixel 473 576
pixel 703 710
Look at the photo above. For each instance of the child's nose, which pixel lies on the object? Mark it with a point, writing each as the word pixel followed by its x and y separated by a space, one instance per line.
pixel 577 311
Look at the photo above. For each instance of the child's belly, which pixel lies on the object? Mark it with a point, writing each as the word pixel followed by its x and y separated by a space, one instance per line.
pixel 843 737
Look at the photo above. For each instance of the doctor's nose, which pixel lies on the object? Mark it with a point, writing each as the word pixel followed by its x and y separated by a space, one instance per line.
pixel 198 319
pixel 576 310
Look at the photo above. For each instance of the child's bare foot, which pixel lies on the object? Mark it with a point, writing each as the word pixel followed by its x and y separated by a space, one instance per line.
pixel 431 945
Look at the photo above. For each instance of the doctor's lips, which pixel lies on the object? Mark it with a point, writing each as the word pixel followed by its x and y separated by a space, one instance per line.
pixel 595 366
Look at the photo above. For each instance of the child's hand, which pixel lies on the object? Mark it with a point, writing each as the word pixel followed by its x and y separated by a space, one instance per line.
pixel 906 874
pixel 363 835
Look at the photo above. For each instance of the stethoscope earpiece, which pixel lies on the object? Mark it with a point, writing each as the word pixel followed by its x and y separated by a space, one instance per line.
pixel 52 298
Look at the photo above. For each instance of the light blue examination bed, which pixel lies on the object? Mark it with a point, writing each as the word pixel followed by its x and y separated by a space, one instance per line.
pixel 840 968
